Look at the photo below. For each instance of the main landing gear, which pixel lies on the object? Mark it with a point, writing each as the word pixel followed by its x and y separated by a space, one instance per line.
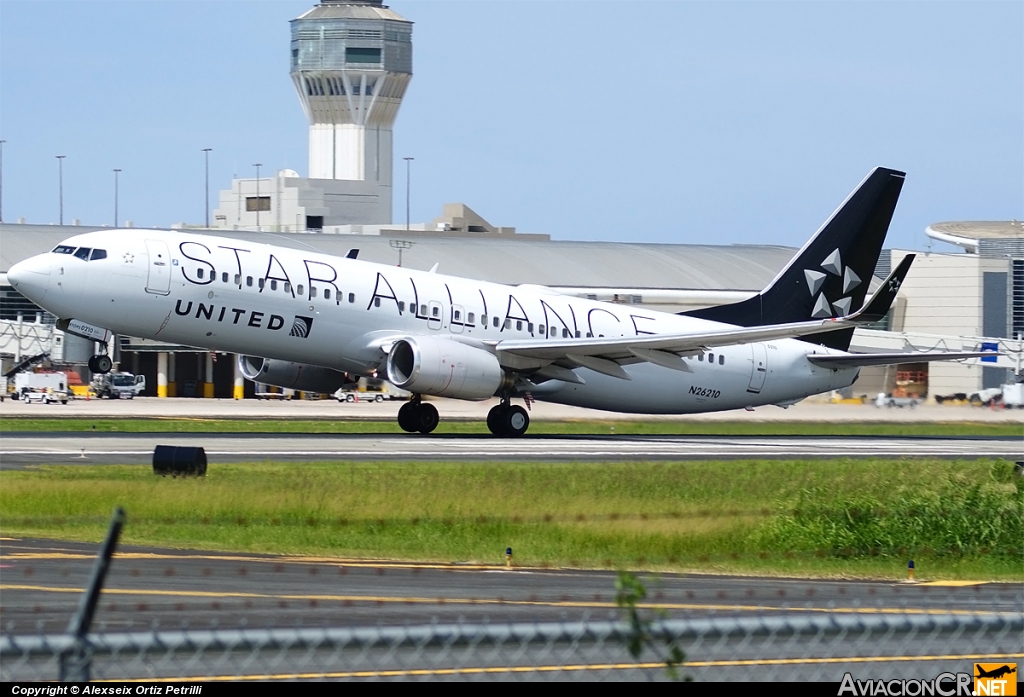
pixel 507 419
pixel 100 363
pixel 416 416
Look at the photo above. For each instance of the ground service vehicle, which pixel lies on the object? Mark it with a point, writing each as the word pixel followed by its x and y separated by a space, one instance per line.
pixel 118 385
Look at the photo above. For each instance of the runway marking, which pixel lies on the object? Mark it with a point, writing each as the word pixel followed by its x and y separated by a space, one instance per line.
pixel 952 584
pixel 580 667
pixel 413 600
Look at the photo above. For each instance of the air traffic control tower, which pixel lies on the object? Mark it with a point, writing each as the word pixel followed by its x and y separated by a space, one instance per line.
pixel 351 61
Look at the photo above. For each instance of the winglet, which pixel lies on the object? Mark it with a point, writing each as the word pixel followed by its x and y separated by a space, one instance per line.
pixel 879 303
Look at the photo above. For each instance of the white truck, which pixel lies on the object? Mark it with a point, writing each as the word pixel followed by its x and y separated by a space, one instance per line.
pixel 1013 395
pixel 118 385
pixel 45 388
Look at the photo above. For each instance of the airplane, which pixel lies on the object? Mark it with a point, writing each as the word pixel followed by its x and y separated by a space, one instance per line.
pixel 303 320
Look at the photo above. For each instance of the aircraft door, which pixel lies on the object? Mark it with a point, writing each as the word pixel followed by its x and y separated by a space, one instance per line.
pixel 159 279
pixel 758 367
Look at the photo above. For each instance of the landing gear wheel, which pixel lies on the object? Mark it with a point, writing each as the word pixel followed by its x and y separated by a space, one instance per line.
pixel 514 421
pixel 407 417
pixel 494 419
pixel 427 418
pixel 100 363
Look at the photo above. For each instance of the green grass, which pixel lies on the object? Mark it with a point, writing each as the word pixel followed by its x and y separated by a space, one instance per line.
pixel 956 519
pixel 387 426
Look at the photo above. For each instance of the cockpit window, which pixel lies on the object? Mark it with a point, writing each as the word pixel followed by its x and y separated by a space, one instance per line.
pixel 63 249
pixel 83 253
pixel 98 254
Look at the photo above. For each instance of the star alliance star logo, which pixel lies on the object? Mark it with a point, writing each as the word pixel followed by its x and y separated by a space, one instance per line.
pixel 129 258
pixel 833 264
pixel 894 285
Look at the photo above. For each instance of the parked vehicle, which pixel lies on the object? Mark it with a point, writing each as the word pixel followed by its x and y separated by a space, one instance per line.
pixel 118 385
pixel 1013 395
pixel 45 388
pixel 986 397
pixel 884 400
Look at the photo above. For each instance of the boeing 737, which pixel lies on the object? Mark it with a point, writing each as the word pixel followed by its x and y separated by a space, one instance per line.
pixel 304 320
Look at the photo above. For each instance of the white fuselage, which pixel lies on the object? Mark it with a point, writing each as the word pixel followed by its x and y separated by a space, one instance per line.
pixel 237 296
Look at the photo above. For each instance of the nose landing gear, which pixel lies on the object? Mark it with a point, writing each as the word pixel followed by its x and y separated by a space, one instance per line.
pixel 415 416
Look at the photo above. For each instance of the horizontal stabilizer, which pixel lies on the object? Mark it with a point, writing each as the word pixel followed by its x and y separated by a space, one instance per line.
pixel 863 360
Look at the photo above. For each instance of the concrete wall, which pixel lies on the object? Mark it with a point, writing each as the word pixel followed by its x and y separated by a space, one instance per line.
pixel 945 295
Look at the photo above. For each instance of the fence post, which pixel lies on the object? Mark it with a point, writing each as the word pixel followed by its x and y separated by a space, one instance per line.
pixel 75 663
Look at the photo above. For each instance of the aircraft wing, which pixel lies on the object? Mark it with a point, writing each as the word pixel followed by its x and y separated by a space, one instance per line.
pixel 861 360
pixel 604 354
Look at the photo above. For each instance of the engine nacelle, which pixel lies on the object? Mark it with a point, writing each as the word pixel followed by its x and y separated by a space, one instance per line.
pixel 444 368
pixel 293 376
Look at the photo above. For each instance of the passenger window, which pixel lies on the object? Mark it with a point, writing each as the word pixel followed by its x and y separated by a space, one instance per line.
pixel 376 302
pixel 458 314
pixel 327 293
pixel 435 311
pixel 496 322
pixel 263 283
pixel 508 323
pixel 565 333
pixel 238 280
pixel 483 321
pixel 287 287
pixel 299 288
pixel 401 306
pixel 224 277
pixel 199 272
pixel 470 318
pixel 721 359
pixel 711 358
pixel 519 326
pixel 273 285
pixel 98 254
pixel 351 297
pixel 312 291
pixel 248 281
pixel 83 253
pixel 529 327
pixel 700 357
pixel 590 335
pixel 577 333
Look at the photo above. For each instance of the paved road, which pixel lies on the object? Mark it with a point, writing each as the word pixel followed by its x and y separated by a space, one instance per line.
pixel 42 581
pixel 20 450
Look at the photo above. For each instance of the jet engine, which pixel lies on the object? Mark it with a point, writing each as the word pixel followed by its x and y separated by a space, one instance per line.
pixel 294 376
pixel 444 368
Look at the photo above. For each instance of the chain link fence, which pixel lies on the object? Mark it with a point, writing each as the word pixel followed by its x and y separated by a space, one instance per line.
pixel 777 648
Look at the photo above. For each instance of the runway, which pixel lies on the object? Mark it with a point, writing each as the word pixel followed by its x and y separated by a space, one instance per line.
pixel 171 589
pixel 21 449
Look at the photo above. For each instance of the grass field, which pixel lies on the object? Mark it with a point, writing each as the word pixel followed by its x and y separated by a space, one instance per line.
pixel 956 519
pixel 731 428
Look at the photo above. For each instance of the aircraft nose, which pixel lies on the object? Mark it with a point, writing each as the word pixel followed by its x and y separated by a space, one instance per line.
pixel 31 277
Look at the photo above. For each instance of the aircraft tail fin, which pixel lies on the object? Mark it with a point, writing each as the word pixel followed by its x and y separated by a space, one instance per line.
pixel 829 276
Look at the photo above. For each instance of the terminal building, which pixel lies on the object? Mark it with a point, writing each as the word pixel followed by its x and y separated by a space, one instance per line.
pixel 351 63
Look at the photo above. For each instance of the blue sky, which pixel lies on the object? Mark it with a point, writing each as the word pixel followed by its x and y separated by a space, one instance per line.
pixel 687 122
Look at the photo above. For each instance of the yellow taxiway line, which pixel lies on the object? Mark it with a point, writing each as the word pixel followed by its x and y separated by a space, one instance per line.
pixel 413 600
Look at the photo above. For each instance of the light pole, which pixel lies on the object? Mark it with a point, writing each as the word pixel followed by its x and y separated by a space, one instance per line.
pixel 2 180
pixel 400 245
pixel 408 180
pixel 206 154
pixel 258 202
pixel 116 172
pixel 60 184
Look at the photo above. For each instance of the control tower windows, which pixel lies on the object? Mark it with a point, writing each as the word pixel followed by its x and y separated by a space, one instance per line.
pixel 362 55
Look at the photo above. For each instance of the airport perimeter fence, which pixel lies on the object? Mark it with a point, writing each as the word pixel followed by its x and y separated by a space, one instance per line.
pixel 818 647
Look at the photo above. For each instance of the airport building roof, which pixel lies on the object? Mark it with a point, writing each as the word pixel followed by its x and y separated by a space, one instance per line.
pixel 511 261
pixel 975 235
